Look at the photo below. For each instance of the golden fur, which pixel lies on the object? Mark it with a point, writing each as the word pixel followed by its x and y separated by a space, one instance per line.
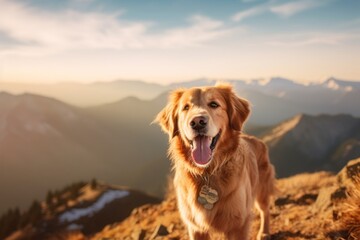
pixel 239 169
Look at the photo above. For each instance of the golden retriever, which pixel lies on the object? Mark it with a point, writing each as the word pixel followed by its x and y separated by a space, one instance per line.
pixel 219 172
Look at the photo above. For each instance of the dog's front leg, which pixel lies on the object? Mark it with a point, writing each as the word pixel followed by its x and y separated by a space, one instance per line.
pixel 198 235
pixel 241 233
pixel 264 232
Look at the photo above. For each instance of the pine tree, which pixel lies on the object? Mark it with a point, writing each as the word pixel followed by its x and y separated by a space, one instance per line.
pixel 32 216
pixel 94 183
pixel 49 197
pixel 9 222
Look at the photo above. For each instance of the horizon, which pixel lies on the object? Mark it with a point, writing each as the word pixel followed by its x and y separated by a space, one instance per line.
pixel 164 42
pixel 265 80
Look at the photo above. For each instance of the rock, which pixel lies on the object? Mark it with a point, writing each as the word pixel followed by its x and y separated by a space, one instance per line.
pixel 160 230
pixel 349 172
pixel 339 194
pixel 138 234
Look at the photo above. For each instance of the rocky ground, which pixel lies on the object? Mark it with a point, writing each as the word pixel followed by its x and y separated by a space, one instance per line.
pixel 308 206
pixel 319 205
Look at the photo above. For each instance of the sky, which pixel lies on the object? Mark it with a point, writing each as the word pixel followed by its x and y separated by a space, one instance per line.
pixel 167 41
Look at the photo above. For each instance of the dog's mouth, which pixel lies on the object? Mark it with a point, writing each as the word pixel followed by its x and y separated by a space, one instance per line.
pixel 202 148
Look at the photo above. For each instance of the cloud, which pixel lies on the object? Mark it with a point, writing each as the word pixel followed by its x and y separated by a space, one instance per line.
pixel 200 30
pixel 294 7
pixel 312 38
pixel 47 31
pixel 284 10
pixel 238 17
pixel 68 29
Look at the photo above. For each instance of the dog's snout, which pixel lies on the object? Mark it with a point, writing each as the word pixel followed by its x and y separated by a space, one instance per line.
pixel 198 123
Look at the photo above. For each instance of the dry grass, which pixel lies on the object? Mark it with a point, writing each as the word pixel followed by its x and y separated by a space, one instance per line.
pixel 306 182
pixel 350 218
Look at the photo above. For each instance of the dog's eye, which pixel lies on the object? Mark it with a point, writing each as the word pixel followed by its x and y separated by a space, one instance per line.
pixel 213 104
pixel 186 107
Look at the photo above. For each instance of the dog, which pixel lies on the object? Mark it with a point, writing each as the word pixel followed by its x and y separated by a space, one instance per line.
pixel 219 171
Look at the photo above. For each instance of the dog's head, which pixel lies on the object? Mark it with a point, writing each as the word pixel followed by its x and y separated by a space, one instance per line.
pixel 204 119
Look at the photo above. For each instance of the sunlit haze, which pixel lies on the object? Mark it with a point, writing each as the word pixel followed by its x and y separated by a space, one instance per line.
pixel 166 41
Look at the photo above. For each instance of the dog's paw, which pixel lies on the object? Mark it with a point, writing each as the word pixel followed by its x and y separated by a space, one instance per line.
pixel 263 236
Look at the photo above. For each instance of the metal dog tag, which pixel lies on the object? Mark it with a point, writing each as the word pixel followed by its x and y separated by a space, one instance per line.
pixel 207 197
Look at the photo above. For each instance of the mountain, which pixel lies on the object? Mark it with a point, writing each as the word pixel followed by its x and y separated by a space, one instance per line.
pixel 306 143
pixel 337 84
pixel 88 94
pixel 41 141
pixel 44 141
pixel 274 99
pixel 84 207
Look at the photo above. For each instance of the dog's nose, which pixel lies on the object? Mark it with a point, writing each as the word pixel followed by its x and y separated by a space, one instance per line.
pixel 198 123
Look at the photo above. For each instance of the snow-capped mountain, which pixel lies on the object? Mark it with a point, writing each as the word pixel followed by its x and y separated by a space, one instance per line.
pixel 336 84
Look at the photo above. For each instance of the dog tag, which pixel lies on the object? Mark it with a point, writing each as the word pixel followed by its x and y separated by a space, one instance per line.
pixel 207 197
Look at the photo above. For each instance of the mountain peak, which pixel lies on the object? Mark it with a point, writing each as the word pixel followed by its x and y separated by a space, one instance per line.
pixel 337 84
pixel 281 80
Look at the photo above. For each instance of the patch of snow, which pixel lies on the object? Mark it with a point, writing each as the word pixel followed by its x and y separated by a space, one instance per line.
pixel 74 226
pixel 264 82
pixel 332 85
pixel 106 198
pixel 348 89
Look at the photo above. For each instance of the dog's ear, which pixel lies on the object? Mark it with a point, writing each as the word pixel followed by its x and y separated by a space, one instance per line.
pixel 238 109
pixel 239 112
pixel 167 117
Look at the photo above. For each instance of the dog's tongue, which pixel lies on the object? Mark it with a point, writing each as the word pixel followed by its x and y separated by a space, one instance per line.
pixel 201 152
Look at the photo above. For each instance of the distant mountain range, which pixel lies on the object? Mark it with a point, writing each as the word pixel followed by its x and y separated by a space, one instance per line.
pixel 273 100
pixel 44 141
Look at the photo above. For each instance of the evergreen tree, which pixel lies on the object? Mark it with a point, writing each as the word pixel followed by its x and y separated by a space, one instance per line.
pixel 9 222
pixel 49 198
pixel 32 216
pixel 94 183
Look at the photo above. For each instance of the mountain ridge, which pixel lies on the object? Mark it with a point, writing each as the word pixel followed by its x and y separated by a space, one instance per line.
pixel 306 142
pixel 117 144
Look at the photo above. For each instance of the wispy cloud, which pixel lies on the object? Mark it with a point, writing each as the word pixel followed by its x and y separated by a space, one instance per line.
pixel 238 17
pixel 201 29
pixel 313 38
pixel 281 9
pixel 292 8
pixel 46 31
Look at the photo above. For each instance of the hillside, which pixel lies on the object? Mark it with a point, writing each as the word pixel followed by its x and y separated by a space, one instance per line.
pixel 310 143
pixel 84 207
pixel 319 205
pixel 44 141
pixel 308 206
